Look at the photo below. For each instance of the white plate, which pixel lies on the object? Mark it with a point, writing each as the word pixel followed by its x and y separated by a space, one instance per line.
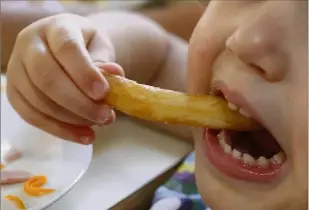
pixel 62 162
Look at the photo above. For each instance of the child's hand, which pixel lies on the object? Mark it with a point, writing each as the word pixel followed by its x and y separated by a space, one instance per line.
pixel 54 82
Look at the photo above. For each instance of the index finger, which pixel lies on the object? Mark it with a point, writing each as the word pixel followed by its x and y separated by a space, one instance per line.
pixel 68 45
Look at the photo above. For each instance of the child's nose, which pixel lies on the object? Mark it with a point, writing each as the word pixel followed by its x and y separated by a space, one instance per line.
pixel 258 43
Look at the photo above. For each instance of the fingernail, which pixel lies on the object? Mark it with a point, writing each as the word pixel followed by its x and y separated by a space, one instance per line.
pixel 98 90
pixel 104 115
pixel 85 139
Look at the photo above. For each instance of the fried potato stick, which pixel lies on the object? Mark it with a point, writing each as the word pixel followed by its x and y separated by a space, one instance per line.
pixel 160 105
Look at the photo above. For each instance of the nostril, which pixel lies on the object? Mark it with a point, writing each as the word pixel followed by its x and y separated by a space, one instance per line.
pixel 258 69
pixel 230 50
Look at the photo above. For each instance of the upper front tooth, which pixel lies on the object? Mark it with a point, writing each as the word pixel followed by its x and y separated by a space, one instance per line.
pixel 244 112
pixel 278 158
pixel 232 106
pixel 248 158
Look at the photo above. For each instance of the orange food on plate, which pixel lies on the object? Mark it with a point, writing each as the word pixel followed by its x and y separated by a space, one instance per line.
pixel 2 166
pixel 33 186
pixel 16 200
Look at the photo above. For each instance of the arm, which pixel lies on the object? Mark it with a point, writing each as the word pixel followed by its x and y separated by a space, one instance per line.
pixel 16 15
pixel 178 18
pixel 143 40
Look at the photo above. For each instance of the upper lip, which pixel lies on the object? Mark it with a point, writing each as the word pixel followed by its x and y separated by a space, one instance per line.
pixel 235 97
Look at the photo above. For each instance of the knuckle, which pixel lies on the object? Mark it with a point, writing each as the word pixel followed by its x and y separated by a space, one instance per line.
pixel 62 39
pixel 44 79
pixel 27 35
pixel 66 46
pixel 19 39
pixel 59 34
pixel 22 35
pixel 21 43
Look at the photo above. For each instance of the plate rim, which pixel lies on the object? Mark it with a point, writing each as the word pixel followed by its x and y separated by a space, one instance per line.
pixel 69 188
pixel 76 179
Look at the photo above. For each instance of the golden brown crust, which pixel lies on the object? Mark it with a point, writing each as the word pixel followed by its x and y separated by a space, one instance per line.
pixel 159 105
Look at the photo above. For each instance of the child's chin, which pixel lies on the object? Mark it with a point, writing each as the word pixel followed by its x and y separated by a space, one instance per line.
pixel 220 191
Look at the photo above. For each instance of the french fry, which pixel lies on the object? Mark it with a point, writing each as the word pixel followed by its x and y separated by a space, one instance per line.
pixel 160 105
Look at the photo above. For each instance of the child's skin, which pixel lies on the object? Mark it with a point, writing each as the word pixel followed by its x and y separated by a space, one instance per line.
pixel 256 48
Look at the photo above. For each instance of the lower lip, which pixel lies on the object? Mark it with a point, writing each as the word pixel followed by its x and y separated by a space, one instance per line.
pixel 236 168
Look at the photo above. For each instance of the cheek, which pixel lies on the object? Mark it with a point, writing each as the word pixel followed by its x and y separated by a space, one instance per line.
pixel 206 43
pixel 199 72
pixel 299 126
pixel 299 117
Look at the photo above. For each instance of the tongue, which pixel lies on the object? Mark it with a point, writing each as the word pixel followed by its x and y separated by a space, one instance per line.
pixel 257 144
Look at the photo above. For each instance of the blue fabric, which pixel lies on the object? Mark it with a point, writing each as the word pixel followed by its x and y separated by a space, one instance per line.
pixel 180 191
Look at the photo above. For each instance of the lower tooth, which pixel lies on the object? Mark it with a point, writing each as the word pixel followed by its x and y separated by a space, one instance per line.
pixel 248 158
pixel 220 136
pixel 278 158
pixel 236 154
pixel 227 148
pixel 263 162
pixel 221 142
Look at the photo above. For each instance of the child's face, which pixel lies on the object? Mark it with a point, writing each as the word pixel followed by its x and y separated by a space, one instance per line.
pixel 256 54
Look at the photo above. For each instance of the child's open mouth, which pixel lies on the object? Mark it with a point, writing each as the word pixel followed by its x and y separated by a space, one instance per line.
pixel 252 156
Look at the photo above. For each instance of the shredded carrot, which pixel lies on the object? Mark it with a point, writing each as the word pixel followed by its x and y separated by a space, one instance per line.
pixel 34 185
pixel 2 166
pixel 16 200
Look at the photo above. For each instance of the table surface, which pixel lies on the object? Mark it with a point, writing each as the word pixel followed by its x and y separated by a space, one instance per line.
pixel 126 157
